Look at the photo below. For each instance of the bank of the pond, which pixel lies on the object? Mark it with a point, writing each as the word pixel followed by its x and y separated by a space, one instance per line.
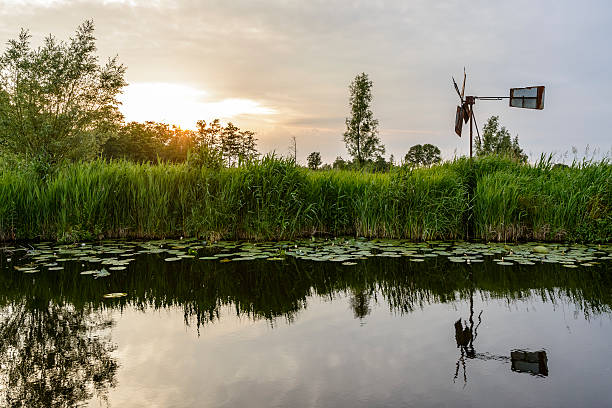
pixel 490 198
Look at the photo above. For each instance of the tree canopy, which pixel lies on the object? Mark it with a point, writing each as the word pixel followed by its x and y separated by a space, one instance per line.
pixel 154 141
pixel 423 155
pixel 56 101
pixel 497 140
pixel 361 135
pixel 314 160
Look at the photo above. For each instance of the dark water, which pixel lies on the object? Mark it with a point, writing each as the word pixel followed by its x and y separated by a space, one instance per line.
pixel 384 333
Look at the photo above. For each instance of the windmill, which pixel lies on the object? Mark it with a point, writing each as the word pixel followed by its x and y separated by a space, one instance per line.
pixel 531 97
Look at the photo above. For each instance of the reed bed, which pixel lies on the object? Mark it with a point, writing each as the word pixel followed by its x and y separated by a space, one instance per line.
pixel 273 199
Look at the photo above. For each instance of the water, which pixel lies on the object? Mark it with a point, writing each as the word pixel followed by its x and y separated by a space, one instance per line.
pixel 302 333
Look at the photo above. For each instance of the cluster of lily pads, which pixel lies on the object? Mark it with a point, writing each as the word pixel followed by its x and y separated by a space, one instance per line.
pixel 351 251
pixel 101 259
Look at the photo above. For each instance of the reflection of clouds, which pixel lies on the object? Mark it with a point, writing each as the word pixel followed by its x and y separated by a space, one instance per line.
pixel 317 360
pixel 325 358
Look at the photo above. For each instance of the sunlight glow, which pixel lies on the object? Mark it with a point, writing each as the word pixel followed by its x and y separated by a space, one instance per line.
pixel 182 105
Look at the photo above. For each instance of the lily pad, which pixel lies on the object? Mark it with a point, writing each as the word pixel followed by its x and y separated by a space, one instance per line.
pixel 101 273
pixel 114 295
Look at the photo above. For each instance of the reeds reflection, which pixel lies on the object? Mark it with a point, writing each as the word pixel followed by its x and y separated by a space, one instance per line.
pixel 55 348
pixel 269 290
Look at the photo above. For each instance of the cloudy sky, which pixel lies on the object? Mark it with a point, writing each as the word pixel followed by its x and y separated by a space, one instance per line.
pixel 282 68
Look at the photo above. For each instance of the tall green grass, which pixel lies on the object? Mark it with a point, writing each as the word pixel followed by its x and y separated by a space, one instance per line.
pixel 273 199
pixel 543 202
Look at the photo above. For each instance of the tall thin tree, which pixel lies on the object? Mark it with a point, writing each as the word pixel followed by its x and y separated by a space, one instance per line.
pixel 361 136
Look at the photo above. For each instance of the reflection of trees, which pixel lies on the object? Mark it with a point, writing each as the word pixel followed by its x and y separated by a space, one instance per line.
pixel 360 303
pixel 53 355
pixel 269 290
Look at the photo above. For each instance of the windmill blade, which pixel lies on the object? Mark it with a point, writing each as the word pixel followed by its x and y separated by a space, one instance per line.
pixel 466 111
pixel 463 87
pixel 457 89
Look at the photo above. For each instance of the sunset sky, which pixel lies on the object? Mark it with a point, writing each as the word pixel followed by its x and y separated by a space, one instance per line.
pixel 282 68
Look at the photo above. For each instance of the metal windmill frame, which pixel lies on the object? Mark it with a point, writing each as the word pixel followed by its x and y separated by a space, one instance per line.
pixel 531 97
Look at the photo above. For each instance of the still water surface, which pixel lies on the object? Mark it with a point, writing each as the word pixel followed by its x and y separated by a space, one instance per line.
pixel 386 332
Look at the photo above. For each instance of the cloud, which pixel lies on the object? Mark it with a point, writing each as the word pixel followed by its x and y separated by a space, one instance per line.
pixel 182 105
pixel 298 58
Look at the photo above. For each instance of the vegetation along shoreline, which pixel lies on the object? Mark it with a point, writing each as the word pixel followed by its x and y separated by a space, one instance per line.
pixel 490 198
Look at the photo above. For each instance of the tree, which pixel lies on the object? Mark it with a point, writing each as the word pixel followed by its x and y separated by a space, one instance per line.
pixel 361 136
pixel 340 163
pixel 496 140
pixel 380 165
pixel 209 134
pixel 236 144
pixel 57 102
pixel 140 142
pixel 314 160
pixel 423 155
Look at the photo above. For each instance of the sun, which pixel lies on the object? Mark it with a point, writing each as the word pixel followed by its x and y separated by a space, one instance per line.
pixel 182 105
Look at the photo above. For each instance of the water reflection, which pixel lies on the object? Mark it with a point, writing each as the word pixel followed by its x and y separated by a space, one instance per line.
pixel 466 334
pixel 523 361
pixel 532 362
pixel 56 350
pixel 53 355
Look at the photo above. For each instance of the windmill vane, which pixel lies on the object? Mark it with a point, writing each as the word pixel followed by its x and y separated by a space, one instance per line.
pixel 531 97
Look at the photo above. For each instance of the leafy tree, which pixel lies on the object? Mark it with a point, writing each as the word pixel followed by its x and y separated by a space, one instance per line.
pixel 210 144
pixel 179 143
pixel 314 160
pixel 237 145
pixel 496 140
pixel 141 142
pixel 423 155
pixel 380 165
pixel 209 134
pixel 150 141
pixel 57 102
pixel 340 163
pixel 361 136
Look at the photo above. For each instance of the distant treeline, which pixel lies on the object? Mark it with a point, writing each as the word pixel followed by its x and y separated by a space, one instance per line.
pixel 155 142
pixel 490 198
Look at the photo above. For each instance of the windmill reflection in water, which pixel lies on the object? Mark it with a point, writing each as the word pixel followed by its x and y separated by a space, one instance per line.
pixel 522 361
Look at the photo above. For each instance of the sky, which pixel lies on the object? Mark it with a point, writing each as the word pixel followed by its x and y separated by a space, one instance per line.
pixel 283 68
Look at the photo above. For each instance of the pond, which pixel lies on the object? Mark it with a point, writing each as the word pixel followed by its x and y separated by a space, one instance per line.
pixel 313 323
